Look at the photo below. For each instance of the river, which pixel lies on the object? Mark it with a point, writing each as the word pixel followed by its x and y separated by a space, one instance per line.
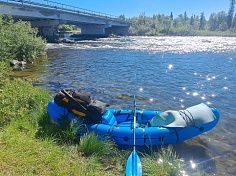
pixel 164 73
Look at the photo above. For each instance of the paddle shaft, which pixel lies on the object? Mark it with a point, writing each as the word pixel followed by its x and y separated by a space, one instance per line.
pixel 134 130
pixel 133 164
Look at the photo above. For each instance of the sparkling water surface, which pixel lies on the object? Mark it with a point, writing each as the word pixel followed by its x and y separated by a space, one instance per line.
pixel 164 73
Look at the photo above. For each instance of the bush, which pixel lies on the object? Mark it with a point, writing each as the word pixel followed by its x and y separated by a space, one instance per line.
pixel 19 41
pixel 4 72
pixel 18 99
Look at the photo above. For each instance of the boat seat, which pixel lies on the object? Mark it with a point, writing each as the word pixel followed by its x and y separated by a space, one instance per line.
pixel 161 119
pixel 192 116
pixel 108 118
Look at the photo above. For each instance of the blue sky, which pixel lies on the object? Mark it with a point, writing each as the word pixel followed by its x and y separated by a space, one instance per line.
pixel 132 8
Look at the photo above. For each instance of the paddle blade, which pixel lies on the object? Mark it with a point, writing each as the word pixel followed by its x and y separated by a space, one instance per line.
pixel 133 165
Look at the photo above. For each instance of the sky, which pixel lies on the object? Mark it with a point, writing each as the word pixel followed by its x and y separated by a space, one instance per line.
pixel 131 8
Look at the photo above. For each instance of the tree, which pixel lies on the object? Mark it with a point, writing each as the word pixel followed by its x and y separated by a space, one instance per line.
pixel 230 14
pixel 191 21
pixel 234 22
pixel 185 16
pixel 171 16
pixel 142 18
pixel 202 22
pixel 222 21
pixel 213 22
pixel 122 17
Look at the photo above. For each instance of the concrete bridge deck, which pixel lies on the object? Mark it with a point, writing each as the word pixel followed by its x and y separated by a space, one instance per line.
pixel 49 14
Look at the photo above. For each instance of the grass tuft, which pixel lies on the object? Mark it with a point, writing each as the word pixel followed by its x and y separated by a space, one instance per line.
pixel 91 145
pixel 164 163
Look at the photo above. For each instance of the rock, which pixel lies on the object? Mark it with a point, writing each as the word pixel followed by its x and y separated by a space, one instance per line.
pixel 18 65
pixel 68 41
pixel 13 63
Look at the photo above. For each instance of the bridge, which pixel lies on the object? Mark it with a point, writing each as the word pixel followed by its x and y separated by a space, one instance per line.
pixel 47 15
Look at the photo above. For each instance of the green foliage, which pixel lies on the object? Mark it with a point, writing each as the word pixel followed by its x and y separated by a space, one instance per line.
pixel 18 99
pixel 67 28
pixel 202 24
pixel 19 41
pixel 4 72
pixel 165 163
pixel 230 14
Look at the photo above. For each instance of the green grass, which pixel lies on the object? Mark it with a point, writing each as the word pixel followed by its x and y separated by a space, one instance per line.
pixel 90 145
pixel 165 162
pixel 22 154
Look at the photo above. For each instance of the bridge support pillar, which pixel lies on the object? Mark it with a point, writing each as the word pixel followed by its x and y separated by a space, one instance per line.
pixel 92 29
pixel 49 32
pixel 47 29
pixel 117 30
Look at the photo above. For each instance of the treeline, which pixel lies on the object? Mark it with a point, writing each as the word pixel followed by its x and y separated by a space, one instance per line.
pixel 220 23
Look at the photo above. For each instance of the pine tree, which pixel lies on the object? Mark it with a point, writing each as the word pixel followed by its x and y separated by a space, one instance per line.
pixel 171 16
pixel 185 16
pixel 230 14
pixel 192 20
pixel 213 22
pixel 234 22
pixel 202 22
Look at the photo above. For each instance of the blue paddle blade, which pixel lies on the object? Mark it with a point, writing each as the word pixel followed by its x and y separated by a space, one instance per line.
pixel 133 165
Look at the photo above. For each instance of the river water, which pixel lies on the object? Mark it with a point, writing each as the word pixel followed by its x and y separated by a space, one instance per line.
pixel 164 73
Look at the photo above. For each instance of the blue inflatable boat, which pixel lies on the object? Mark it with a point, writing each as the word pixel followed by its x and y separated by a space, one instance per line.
pixel 152 127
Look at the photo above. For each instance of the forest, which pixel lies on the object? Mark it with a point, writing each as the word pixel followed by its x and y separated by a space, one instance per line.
pixel 221 23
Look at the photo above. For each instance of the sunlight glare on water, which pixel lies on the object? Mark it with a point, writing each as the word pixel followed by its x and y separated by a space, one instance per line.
pixel 178 45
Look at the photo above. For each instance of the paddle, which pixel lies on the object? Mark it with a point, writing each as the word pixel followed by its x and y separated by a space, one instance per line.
pixel 133 164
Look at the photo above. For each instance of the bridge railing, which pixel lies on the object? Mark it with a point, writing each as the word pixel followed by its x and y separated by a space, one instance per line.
pixel 66 8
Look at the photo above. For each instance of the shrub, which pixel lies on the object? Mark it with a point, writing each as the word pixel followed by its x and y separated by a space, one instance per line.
pixel 18 99
pixel 19 41
pixel 4 72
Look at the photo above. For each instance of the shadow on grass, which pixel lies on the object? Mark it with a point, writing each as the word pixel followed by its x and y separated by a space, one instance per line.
pixel 64 134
